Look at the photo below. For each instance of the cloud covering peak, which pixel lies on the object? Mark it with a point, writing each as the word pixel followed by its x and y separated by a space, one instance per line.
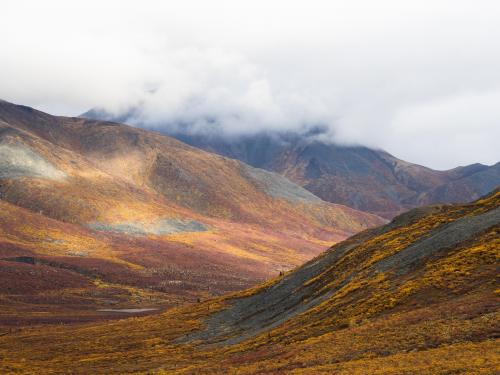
pixel 419 79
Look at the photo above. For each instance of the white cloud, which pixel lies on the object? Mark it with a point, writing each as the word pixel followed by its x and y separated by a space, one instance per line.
pixel 400 75
pixel 461 126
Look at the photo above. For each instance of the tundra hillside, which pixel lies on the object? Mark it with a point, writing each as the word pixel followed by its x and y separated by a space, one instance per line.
pixel 418 295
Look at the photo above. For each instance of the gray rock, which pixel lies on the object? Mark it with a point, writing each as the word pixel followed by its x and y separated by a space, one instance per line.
pixel 278 186
pixel 17 160
pixel 161 227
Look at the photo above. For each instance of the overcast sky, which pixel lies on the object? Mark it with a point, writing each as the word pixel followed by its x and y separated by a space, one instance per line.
pixel 420 79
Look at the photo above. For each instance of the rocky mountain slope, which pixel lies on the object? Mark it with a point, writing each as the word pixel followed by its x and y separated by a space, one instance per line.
pixel 118 215
pixel 418 295
pixel 359 177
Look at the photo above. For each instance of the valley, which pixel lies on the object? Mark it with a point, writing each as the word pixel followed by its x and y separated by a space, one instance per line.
pixel 416 295
pixel 249 187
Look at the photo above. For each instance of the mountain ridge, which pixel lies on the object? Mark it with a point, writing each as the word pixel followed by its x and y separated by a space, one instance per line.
pixel 366 179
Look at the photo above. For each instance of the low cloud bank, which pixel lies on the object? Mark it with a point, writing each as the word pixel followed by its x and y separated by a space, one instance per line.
pixel 418 80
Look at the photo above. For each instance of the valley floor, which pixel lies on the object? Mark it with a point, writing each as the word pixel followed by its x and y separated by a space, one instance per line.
pixel 451 338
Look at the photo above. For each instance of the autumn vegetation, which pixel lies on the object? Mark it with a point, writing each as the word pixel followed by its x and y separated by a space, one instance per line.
pixel 373 306
pixel 93 216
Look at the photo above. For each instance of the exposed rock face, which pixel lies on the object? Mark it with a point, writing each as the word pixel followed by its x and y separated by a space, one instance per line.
pixel 278 186
pixel 160 227
pixel 17 160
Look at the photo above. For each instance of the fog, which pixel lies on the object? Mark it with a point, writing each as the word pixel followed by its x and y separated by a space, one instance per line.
pixel 418 79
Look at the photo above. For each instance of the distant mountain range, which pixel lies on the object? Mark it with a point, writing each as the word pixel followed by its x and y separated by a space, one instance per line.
pixel 356 176
pixel 85 200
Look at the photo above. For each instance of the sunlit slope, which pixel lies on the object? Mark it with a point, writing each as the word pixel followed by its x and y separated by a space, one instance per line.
pixel 51 271
pixel 137 209
pixel 92 172
pixel 415 296
pixel 118 170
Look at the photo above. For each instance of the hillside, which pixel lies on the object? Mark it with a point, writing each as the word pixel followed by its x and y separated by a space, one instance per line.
pixel 359 177
pixel 356 176
pixel 417 295
pixel 120 217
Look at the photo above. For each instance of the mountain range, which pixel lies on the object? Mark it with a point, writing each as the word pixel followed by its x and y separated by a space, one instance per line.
pixel 175 260
pixel 98 215
pixel 356 176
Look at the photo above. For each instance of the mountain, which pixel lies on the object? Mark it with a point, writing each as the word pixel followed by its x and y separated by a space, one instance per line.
pixel 96 214
pixel 355 176
pixel 359 177
pixel 418 295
